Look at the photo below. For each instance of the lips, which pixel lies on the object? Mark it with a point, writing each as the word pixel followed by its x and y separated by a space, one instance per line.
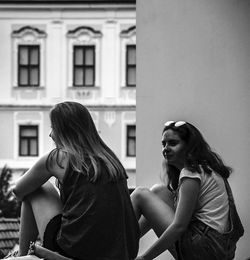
pixel 167 156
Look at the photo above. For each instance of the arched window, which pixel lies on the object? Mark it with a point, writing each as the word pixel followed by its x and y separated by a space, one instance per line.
pixel 28 58
pixel 84 57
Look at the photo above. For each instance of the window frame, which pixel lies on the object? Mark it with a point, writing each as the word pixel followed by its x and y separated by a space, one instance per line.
pixel 84 48
pixel 129 66
pixel 130 138
pixel 127 38
pixel 29 66
pixel 36 138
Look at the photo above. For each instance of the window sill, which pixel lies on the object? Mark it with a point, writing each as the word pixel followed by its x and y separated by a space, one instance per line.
pixel 28 88
pixel 27 158
pixel 127 86
pixel 83 87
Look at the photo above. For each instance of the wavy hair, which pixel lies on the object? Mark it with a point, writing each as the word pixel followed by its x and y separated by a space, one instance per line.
pixel 75 132
pixel 198 154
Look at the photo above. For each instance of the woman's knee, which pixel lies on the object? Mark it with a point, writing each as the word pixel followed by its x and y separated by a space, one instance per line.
pixel 45 197
pixel 163 193
pixel 45 204
pixel 141 193
pixel 46 190
pixel 158 188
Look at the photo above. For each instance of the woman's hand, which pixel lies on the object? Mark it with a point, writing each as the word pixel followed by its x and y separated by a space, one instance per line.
pixel 45 253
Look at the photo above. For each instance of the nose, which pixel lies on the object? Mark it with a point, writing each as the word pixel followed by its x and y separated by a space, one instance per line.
pixel 166 149
pixel 51 134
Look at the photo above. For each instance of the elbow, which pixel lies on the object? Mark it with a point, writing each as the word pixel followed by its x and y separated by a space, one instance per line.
pixel 180 227
pixel 17 194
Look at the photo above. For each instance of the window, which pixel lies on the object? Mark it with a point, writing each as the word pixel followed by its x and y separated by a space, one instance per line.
pixel 28 65
pixel 28 140
pixel 131 144
pixel 131 65
pixel 84 66
pixel 28 59
pixel 128 57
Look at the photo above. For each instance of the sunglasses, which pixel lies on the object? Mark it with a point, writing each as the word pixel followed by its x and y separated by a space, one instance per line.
pixel 176 123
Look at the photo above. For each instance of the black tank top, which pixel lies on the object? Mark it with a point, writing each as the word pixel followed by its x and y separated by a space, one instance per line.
pixel 98 221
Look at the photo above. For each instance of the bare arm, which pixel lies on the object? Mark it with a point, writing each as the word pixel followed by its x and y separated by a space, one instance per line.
pixel 38 174
pixel 188 194
pixel 35 177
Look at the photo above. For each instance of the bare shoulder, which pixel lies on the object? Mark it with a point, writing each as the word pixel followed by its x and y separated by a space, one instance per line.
pixel 57 161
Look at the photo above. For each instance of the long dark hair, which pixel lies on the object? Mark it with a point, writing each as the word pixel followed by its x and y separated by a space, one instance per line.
pixel 75 132
pixel 198 154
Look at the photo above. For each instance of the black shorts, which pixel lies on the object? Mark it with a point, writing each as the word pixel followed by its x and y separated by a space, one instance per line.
pixel 50 235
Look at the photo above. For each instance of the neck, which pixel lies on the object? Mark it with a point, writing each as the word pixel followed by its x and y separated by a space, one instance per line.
pixel 179 166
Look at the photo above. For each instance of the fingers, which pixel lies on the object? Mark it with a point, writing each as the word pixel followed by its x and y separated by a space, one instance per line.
pixel 43 252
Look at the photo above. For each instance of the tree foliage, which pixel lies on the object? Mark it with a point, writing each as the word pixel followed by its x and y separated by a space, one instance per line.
pixel 9 206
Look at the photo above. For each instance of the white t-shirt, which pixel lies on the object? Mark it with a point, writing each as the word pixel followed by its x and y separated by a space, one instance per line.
pixel 212 205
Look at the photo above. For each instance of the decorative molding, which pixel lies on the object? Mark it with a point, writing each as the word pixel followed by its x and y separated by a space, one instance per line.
pixel 84 33
pixel 72 2
pixel 29 33
pixel 47 107
pixel 110 118
pixel 128 33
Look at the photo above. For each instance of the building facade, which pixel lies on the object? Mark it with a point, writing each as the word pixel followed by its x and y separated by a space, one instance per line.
pixel 53 51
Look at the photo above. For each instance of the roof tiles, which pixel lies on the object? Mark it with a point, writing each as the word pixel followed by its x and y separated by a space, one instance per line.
pixel 9 233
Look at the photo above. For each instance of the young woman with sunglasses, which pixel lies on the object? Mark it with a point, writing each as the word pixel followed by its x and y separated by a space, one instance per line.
pixel 93 218
pixel 193 215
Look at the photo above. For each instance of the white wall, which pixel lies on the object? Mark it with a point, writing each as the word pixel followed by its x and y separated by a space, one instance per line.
pixel 194 64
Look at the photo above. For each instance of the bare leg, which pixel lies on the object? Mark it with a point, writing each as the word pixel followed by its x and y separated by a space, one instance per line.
pixel 38 209
pixel 163 193
pixel 153 208
pixel 28 228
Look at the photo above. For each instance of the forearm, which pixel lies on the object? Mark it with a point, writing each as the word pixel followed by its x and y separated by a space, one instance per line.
pixel 165 241
pixel 34 178
pixel 20 191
